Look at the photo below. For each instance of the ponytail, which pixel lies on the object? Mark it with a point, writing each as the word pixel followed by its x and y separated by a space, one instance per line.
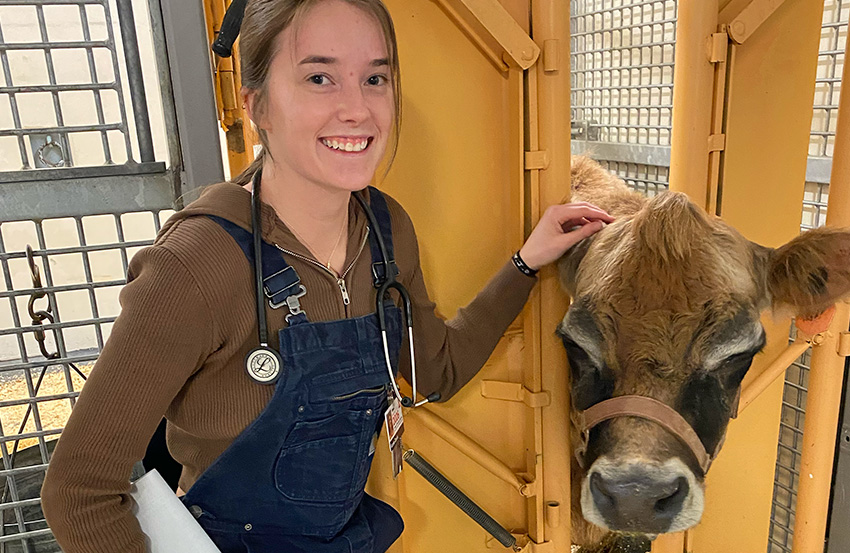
pixel 247 174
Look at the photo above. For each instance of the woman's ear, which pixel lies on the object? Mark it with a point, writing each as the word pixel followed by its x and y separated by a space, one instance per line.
pixel 251 101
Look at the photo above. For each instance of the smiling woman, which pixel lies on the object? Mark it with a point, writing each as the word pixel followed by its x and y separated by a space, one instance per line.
pixel 276 437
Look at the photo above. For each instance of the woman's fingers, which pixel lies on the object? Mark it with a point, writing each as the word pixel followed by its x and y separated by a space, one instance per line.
pixel 560 228
pixel 564 213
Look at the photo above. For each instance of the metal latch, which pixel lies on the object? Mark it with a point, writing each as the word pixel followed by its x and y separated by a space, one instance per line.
pixel 844 344
pixel 551 55
pixel 536 160
pixel 716 142
pixel 584 130
pixel 514 391
pixel 718 47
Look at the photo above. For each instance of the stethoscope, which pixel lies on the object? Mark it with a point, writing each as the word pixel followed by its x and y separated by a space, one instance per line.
pixel 264 363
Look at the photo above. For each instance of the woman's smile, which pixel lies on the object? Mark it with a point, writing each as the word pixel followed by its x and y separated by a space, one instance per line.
pixel 347 144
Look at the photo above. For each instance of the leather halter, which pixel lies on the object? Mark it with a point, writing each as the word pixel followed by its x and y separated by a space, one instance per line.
pixel 645 408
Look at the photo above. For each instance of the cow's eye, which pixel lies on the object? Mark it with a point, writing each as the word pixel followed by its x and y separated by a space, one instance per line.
pixel 733 369
pixel 579 360
pixel 590 383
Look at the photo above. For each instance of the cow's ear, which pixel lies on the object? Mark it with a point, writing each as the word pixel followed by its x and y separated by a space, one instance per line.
pixel 568 265
pixel 811 272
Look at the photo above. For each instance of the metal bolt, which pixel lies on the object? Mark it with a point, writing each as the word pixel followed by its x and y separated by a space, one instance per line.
pixel 248 527
pixel 301 409
pixel 368 411
pixel 739 27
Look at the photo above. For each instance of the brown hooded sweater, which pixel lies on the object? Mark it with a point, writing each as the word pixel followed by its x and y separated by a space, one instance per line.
pixel 178 348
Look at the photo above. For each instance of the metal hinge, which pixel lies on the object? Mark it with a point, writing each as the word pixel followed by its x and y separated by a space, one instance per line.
pixel 536 160
pixel 718 47
pixel 514 391
pixel 551 55
pixel 750 18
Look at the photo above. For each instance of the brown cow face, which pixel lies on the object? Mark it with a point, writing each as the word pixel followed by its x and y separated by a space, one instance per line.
pixel 666 305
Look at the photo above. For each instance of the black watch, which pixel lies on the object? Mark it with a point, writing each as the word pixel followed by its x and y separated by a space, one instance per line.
pixel 523 268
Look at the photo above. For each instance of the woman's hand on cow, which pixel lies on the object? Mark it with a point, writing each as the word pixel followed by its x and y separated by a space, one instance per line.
pixel 560 228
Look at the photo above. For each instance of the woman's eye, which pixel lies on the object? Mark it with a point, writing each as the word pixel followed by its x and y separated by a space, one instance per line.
pixel 377 80
pixel 319 79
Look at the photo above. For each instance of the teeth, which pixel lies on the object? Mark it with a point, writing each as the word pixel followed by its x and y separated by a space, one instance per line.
pixel 346 146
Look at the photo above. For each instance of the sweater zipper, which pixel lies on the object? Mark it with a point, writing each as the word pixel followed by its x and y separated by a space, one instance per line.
pixel 340 279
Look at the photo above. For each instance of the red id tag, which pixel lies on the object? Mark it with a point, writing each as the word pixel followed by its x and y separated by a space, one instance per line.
pixel 395 428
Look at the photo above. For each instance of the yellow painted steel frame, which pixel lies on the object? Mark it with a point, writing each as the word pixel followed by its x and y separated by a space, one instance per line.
pixel 232 116
pixel 467 172
pixel 827 365
pixel 734 149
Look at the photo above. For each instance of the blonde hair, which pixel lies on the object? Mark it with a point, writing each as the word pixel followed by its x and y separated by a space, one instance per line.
pixel 263 22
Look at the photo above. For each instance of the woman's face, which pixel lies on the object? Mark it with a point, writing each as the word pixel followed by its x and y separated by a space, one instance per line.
pixel 329 104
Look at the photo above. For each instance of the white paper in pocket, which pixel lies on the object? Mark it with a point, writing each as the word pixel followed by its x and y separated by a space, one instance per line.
pixel 165 521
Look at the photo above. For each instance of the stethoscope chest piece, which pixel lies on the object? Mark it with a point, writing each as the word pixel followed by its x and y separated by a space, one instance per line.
pixel 264 365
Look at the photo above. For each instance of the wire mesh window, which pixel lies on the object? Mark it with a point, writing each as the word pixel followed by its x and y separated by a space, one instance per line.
pixel 622 54
pixel 648 179
pixel 54 321
pixel 822 139
pixel 71 87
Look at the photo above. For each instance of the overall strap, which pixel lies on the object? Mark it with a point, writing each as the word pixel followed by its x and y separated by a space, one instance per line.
pixel 378 203
pixel 281 284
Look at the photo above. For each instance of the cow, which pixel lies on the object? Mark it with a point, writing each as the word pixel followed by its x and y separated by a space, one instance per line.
pixel 665 314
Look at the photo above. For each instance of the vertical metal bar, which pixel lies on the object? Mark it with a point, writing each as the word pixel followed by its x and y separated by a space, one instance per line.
pixel 692 88
pixel 116 71
pixel 51 76
pixel 136 81
pixel 827 367
pixel 51 295
pixel 81 236
pixel 119 227
pixel 175 159
pixel 13 102
pixel 13 492
pixel 549 130
pixel 16 318
pixel 98 98
pixel 36 416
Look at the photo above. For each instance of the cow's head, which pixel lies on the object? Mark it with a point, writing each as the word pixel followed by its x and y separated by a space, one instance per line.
pixel 666 305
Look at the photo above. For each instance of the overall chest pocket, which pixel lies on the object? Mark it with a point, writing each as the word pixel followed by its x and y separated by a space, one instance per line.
pixel 325 460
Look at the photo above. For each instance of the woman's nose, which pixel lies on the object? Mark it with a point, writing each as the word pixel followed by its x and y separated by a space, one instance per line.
pixel 353 106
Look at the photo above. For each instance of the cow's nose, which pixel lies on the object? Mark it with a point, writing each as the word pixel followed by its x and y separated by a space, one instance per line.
pixel 639 501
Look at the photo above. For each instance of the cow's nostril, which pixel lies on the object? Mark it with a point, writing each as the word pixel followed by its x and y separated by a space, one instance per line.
pixel 603 498
pixel 672 504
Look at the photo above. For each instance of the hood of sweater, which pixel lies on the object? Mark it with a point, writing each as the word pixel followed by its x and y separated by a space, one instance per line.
pixel 233 202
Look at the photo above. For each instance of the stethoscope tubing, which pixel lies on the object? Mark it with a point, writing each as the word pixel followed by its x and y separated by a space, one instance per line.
pixel 389 283
pixel 256 234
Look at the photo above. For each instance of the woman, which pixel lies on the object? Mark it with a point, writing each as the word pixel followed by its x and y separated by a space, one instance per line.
pixel 282 467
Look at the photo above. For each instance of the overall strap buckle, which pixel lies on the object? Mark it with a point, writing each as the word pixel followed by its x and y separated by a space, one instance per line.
pixel 284 288
pixel 379 275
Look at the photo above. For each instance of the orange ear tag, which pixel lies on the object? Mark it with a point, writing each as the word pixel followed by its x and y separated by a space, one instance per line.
pixel 817 324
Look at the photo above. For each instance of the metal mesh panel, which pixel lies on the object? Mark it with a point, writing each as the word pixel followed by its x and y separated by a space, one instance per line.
pixel 61 96
pixel 622 85
pixel 828 88
pixel 82 264
pixel 648 179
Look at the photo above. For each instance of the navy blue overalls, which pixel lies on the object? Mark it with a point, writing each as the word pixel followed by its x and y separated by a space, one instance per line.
pixel 293 480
